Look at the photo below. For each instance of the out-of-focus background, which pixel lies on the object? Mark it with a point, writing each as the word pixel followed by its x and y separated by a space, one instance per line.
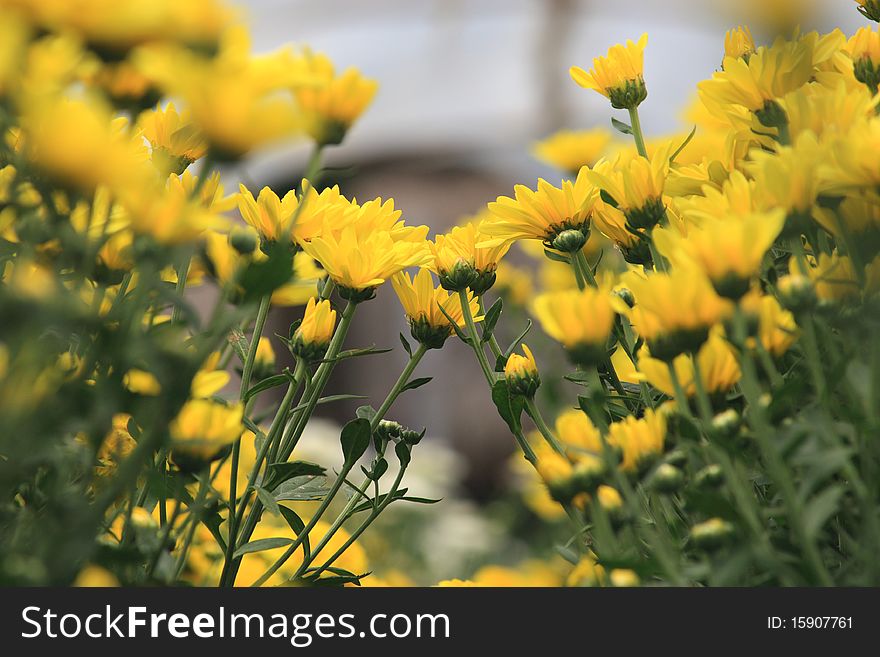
pixel 465 87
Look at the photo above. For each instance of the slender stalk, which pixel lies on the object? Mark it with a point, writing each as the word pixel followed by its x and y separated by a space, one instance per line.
pixel 313 167
pixel 535 413
pixel 476 344
pixel 580 260
pixel 704 404
pixel 195 513
pixel 637 133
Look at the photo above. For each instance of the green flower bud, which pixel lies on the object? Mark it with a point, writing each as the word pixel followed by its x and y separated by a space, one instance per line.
pixel 667 478
pixel 459 278
pixel 711 476
pixel 570 241
pixel 712 534
pixel 245 240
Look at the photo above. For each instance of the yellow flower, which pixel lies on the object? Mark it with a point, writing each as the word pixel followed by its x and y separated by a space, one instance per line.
pixel 674 311
pixel 358 261
pixel 570 150
pixel 422 302
pixel 521 373
pixel 852 163
pixel 834 278
pixel 734 198
pixel 306 274
pixel 78 143
pixel 117 445
pixel 141 382
pixel 169 215
pixel 318 211
pixel 209 380
pixel 777 329
pixel 636 185
pixel 265 357
pixel 729 251
pixel 461 259
pixel 587 572
pixel 543 214
pixel 240 101
pixel 575 430
pixel 864 48
pixel 95 576
pixel 581 320
pixel 176 142
pixel 332 103
pixel 514 283
pixel 719 369
pixel 112 28
pixel 202 428
pixel 270 216
pixel 312 336
pixel 618 75
pixel 738 43
pixel 639 440
pixel 856 216
pixel 828 110
pixel 770 73
pixel 609 498
pixel 623 577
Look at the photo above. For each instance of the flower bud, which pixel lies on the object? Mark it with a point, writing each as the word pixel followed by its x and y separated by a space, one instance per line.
pixel 569 241
pixel 460 277
pixel 647 216
pixel 243 239
pixel 623 578
pixel 726 423
pixel 311 338
pixel 667 478
pixel 264 359
pixel 521 373
pixel 483 282
pixel 711 476
pixel 712 534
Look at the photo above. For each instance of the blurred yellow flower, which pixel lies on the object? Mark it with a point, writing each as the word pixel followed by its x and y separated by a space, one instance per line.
pixel 141 382
pixel 202 428
pixel 176 142
pixel 639 440
pixel 95 576
pixel 461 259
pixel 521 373
pixel 738 43
pixel 716 360
pixel 569 150
pixel 581 320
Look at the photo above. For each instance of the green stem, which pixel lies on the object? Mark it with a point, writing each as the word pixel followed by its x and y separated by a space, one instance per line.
pixel 580 261
pixel 195 513
pixel 704 404
pixel 476 343
pixel 637 133
pixel 535 413
pixel 313 168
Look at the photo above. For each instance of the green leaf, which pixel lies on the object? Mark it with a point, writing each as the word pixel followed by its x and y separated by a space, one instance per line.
pixel 510 407
pixel 302 489
pixel 261 544
pixel 454 324
pixel 355 439
pixel 610 200
pixel 260 278
pixel 406 346
pixel 515 343
pixel 557 257
pixel 297 525
pixel 416 383
pixel 403 453
pixel 491 319
pixel 683 145
pixel 366 412
pixel 356 353
pixel 277 473
pixel 268 501
pixel 820 509
pixel 620 126
pixel 327 400
pixel 266 384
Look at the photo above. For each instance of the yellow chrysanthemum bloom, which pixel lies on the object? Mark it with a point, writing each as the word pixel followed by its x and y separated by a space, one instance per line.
pixel 674 311
pixel 770 73
pixel 864 48
pixel 176 142
pixel 316 211
pixel 422 302
pixel 113 28
pixel 617 75
pixel 264 362
pixel 729 251
pixel 202 429
pixel 777 329
pixel 79 143
pixel 788 179
pixel 169 215
pixel 270 216
pixel 521 373
pixel 331 103
pixel 570 150
pixel 209 380
pixel 461 260
pixel 636 185
pixel 117 444
pixel 852 164
pixel 639 440
pixel 306 275
pixel 314 333
pixel 358 262
pixel 735 198
pixel 854 216
pixel 738 43
pixel 834 278
pixel 93 576
pixel 575 430
pixel 587 573
pixel 240 101
pixel 716 360
pixel 581 320
pixel 544 214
